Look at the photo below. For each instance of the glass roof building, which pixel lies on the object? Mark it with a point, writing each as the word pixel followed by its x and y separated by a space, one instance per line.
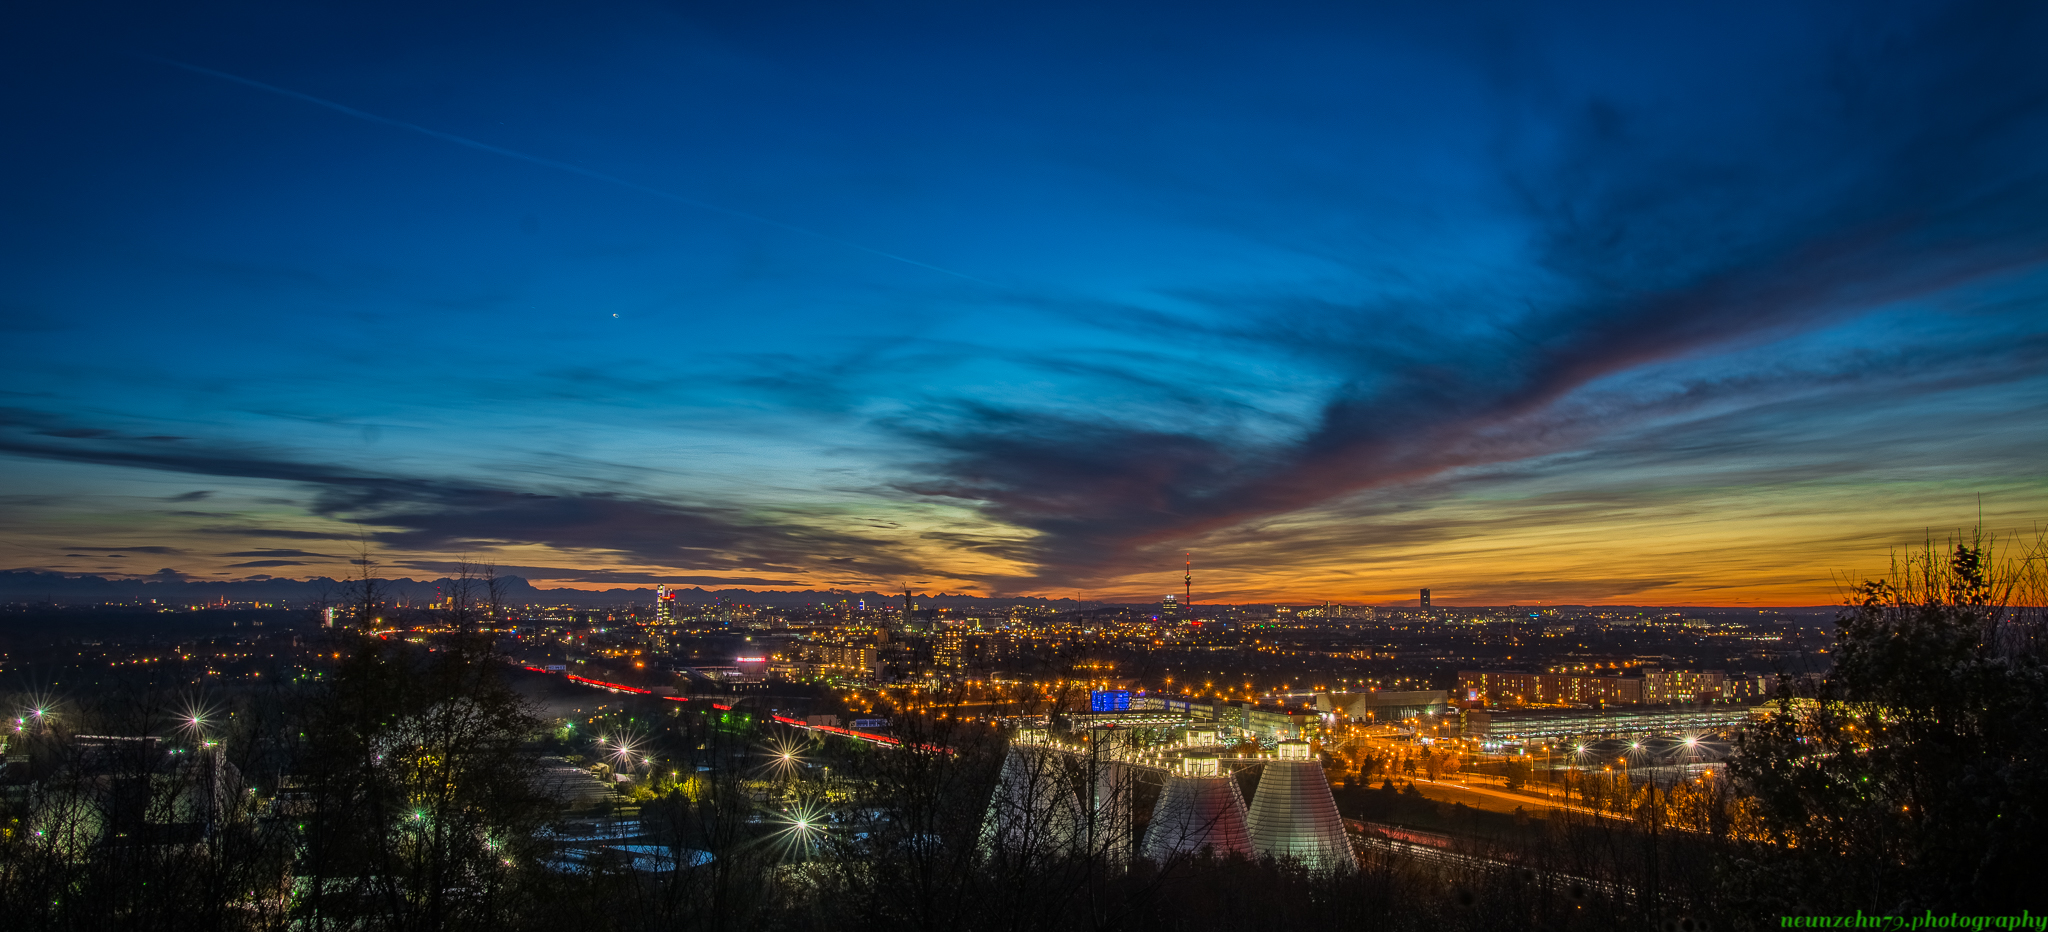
pixel 1199 809
pixel 1293 816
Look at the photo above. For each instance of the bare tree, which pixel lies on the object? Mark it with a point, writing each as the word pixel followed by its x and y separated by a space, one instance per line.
pixel 422 806
pixel 494 593
pixel 365 590
pixel 461 596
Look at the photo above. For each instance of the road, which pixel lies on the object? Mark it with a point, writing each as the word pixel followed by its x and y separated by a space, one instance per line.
pixel 1485 798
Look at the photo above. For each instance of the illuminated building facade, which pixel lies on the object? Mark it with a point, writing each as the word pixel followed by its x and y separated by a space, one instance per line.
pixel 1550 724
pixel 1649 686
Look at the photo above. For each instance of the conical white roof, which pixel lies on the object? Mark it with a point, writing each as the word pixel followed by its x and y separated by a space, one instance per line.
pixel 1197 812
pixel 1035 809
pixel 1294 816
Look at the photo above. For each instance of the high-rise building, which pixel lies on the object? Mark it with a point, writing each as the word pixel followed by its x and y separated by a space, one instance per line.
pixel 1169 606
pixel 1425 598
pixel 950 651
pixel 664 604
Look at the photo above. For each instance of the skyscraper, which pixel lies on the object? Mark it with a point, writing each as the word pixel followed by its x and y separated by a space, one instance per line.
pixel 1425 598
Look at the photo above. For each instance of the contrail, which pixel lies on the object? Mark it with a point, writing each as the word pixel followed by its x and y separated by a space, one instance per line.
pixel 561 166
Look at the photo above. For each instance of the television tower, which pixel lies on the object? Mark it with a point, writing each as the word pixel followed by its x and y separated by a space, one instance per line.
pixel 1187 583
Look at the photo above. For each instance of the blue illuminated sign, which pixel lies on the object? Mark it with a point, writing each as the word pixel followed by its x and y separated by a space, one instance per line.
pixel 1110 700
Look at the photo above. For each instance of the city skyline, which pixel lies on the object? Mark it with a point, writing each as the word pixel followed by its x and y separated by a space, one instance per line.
pixel 1598 306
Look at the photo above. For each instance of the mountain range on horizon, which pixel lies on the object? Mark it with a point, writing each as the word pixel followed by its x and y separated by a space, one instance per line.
pixel 28 587
pixel 18 586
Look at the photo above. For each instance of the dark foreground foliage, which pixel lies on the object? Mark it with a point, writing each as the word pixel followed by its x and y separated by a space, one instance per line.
pixel 1916 777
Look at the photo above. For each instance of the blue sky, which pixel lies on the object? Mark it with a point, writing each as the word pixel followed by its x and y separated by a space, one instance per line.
pixel 1578 303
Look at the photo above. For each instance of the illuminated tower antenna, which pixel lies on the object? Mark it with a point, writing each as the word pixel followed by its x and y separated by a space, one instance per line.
pixel 1187 582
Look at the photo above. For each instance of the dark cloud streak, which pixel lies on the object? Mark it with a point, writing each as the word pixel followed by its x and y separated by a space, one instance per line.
pixel 570 574
pixel 436 516
pixel 273 554
pixel 1913 172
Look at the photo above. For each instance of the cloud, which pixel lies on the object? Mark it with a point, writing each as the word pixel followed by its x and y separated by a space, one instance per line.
pixel 570 574
pixel 280 553
pixel 162 551
pixel 428 514
pixel 1646 227
pixel 189 496
pixel 46 425
pixel 1911 173
pixel 264 563
pixel 284 533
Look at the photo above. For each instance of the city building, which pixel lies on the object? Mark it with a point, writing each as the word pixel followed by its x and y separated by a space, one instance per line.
pixel 1270 724
pixel 1749 686
pixel 1267 723
pixel 1109 700
pixel 1648 685
pixel 1378 706
pixel 1551 724
pixel 858 664
pixel 949 652
pixel 1126 718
